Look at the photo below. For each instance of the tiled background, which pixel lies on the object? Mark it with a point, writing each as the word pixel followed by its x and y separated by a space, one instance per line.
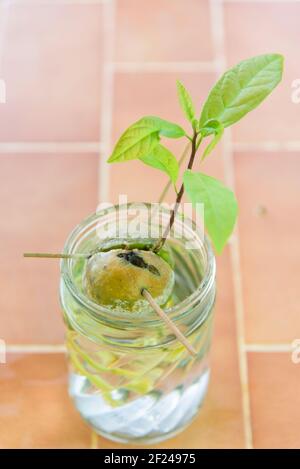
pixel 77 73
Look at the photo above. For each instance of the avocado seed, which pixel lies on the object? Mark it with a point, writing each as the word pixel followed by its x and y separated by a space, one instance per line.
pixel 115 279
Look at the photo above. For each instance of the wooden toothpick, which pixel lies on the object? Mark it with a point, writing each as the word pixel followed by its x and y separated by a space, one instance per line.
pixel 53 256
pixel 169 323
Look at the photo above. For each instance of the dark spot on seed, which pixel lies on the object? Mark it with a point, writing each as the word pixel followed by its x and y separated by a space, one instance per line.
pixel 136 260
pixel 153 269
pixel 133 258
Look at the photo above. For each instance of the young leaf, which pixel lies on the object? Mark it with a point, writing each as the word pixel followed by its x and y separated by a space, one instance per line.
pixel 141 137
pixel 242 89
pixel 220 205
pixel 185 102
pixel 161 158
pixel 212 127
pixel 165 128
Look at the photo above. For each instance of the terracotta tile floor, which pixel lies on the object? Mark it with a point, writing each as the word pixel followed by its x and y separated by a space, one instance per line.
pixel 269 241
pixel 47 99
pixel 43 198
pixel 36 411
pixel 154 31
pixel 275 394
pixel 80 73
pixel 256 29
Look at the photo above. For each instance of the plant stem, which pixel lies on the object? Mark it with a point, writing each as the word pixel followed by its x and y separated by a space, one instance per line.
pixel 168 185
pixel 161 241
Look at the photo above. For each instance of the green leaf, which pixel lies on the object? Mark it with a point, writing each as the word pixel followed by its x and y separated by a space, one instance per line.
pixel 186 102
pixel 215 127
pixel 165 128
pixel 141 137
pixel 212 126
pixel 161 158
pixel 220 205
pixel 242 89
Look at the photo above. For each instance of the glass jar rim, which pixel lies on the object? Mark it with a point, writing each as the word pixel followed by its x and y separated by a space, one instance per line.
pixel 103 314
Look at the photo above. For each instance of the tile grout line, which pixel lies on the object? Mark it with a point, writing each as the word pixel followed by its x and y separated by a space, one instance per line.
pixel 106 105
pixel 191 66
pixel 106 117
pixel 261 1
pixel 50 147
pixel 288 146
pixel 57 2
pixel 35 348
pixel 218 37
pixel 61 348
pixel 101 2
pixel 239 304
pixel 268 348
pixel 96 147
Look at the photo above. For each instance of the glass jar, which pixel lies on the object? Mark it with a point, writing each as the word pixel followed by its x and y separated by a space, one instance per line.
pixel 130 378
